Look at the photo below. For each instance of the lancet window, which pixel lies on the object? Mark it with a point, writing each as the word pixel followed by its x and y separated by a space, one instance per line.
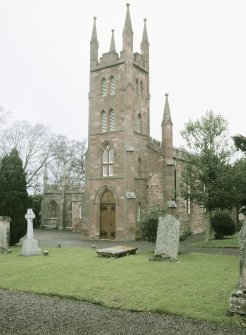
pixel 108 161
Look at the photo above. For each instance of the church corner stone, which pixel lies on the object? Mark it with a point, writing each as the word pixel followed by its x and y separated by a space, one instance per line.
pixel 237 300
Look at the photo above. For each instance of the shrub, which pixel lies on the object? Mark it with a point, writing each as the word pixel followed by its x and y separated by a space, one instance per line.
pixel 185 230
pixel 35 204
pixel 149 222
pixel 223 225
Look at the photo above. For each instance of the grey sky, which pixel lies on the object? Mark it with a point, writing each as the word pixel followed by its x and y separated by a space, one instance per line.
pixel 197 55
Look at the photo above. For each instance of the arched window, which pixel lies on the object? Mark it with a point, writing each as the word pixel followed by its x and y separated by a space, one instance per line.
pixel 139 123
pixel 111 120
pixel 104 87
pixel 108 160
pixel 80 211
pixel 141 89
pixel 139 212
pixel 139 166
pixel 52 209
pixel 137 86
pixel 70 212
pixel 112 85
pixel 104 121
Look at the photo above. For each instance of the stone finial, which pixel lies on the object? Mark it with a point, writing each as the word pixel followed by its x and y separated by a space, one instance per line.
pixel 112 43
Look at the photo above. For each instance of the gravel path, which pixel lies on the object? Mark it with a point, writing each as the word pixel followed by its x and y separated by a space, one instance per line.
pixel 32 314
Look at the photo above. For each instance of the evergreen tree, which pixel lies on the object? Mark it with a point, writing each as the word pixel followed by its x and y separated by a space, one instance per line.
pixel 240 142
pixel 206 178
pixel 13 195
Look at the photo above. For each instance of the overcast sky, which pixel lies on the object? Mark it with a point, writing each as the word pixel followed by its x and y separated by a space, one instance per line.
pixel 197 55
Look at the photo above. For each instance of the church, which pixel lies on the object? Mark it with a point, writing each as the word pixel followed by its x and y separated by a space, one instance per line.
pixel 126 169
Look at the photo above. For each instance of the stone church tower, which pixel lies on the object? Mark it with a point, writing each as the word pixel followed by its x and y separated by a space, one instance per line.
pixel 125 167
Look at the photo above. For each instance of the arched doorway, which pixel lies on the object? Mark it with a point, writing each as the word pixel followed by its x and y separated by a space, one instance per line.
pixel 107 215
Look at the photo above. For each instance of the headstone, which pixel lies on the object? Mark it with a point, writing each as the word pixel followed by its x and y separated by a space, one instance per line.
pixel 237 301
pixel 167 240
pixel 4 232
pixel 30 245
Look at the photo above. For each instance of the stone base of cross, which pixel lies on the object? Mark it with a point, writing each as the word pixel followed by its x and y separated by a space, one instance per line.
pixel 30 245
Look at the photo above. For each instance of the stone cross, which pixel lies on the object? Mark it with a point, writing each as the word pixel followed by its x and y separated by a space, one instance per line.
pixel 237 301
pixel 30 245
pixel 29 217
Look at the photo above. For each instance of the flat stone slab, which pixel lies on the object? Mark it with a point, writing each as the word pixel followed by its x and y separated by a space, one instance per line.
pixel 117 251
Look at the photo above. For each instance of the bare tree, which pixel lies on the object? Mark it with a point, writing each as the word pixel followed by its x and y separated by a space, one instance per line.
pixel 38 146
pixel 68 153
pixel 32 143
pixel 3 117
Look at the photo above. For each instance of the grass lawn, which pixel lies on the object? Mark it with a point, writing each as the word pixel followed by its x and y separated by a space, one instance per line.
pixel 227 242
pixel 197 285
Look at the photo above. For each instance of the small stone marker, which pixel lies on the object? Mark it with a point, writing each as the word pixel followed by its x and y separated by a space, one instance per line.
pixel 117 251
pixel 46 252
pixel 4 233
pixel 30 245
pixel 58 245
pixel 237 301
pixel 167 241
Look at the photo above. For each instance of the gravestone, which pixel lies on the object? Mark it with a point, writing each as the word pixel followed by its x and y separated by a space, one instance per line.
pixel 4 232
pixel 117 251
pixel 237 301
pixel 30 244
pixel 167 240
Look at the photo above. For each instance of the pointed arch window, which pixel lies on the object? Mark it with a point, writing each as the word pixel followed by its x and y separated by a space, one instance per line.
pixel 137 86
pixel 141 88
pixel 112 85
pixel 139 123
pixel 111 120
pixel 70 212
pixel 139 166
pixel 139 212
pixel 53 209
pixel 104 87
pixel 104 121
pixel 108 160
pixel 80 211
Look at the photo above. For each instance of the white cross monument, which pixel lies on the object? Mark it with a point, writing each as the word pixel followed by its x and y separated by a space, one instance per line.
pixel 30 245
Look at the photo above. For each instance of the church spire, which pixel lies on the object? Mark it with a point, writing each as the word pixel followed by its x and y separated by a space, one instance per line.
pixel 112 43
pixel 127 31
pixel 167 130
pixel 145 43
pixel 94 44
pixel 166 115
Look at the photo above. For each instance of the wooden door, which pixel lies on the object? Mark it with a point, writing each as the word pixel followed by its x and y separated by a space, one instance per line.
pixel 107 215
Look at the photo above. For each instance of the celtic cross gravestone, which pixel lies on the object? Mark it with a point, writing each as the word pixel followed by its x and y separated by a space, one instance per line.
pixel 30 244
